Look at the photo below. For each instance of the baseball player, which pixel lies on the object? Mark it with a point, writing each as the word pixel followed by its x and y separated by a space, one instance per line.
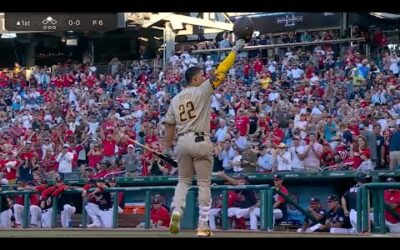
pixel 189 115
pixel 5 212
pixel 99 207
pixel 336 222
pixel 232 196
pixel 18 206
pixel 319 213
pixel 279 207
pixel 121 203
pixel 392 199
pixel 64 204
pixel 34 208
pixel 349 200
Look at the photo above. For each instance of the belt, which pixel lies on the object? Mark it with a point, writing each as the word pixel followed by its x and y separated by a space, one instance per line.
pixel 195 133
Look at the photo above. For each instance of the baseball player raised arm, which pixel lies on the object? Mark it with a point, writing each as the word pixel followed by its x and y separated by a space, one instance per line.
pixel 187 111
pixel 223 68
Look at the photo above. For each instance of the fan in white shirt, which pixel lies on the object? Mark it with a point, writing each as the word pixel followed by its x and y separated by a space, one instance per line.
pixel 209 64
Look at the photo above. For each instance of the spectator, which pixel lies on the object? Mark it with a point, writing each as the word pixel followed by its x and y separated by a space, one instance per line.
pixel 64 160
pixel 266 159
pixel 313 154
pixel 394 149
pixel 283 158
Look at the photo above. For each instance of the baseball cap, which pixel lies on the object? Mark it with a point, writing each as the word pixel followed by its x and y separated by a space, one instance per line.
pixel 332 197
pixel 130 146
pixel 277 177
pixel 361 126
pixel 314 200
pixel 113 179
pixel 361 177
pixel 65 146
pixel 242 177
pixel 296 137
pixel 366 153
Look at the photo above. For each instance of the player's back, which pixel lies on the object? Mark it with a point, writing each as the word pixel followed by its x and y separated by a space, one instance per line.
pixel 191 109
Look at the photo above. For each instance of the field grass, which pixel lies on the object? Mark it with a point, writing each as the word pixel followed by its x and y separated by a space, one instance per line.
pixel 132 233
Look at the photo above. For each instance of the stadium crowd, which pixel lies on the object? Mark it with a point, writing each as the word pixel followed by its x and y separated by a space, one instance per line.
pixel 310 110
pixel 305 109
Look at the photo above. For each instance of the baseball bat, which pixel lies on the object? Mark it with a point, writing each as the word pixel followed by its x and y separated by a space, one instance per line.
pixel 159 155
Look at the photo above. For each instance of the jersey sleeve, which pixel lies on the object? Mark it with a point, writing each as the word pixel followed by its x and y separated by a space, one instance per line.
pixel 206 88
pixel 170 116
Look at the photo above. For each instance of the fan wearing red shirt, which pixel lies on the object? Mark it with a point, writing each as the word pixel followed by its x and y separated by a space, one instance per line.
pixel 159 215
pixel 147 159
pixel 242 123
pixel 246 69
pixel 95 156
pixel 278 132
pixel 75 149
pixel 354 127
pixel 258 65
pixel 109 146
pixel 214 121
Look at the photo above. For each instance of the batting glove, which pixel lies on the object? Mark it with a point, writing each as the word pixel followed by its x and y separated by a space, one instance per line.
pixel 239 45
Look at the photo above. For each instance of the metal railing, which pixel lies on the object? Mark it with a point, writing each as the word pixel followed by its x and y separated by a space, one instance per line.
pixel 379 205
pixel 266 219
pixel 286 45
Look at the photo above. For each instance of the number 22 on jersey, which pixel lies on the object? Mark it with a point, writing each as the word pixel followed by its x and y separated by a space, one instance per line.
pixel 186 111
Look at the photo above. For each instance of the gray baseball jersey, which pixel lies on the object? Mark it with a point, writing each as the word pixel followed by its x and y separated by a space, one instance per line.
pixel 190 109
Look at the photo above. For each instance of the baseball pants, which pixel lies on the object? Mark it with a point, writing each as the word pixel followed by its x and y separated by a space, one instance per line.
pixel 194 157
pixel 277 214
pixel 5 218
pixel 99 217
pixel 46 217
pixel 18 210
pixel 393 228
pixel 66 215
pixel 353 219
pixel 36 215
pixel 211 217
pixel 310 229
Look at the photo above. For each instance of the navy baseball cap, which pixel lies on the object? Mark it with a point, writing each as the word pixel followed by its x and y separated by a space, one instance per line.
pixel 314 200
pixel 278 177
pixel 361 177
pixel 332 197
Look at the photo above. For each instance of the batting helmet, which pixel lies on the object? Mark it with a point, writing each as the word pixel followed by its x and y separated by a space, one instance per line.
pixel 243 28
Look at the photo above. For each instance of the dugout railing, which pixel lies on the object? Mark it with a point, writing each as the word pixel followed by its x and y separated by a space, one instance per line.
pixel 266 195
pixel 376 192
